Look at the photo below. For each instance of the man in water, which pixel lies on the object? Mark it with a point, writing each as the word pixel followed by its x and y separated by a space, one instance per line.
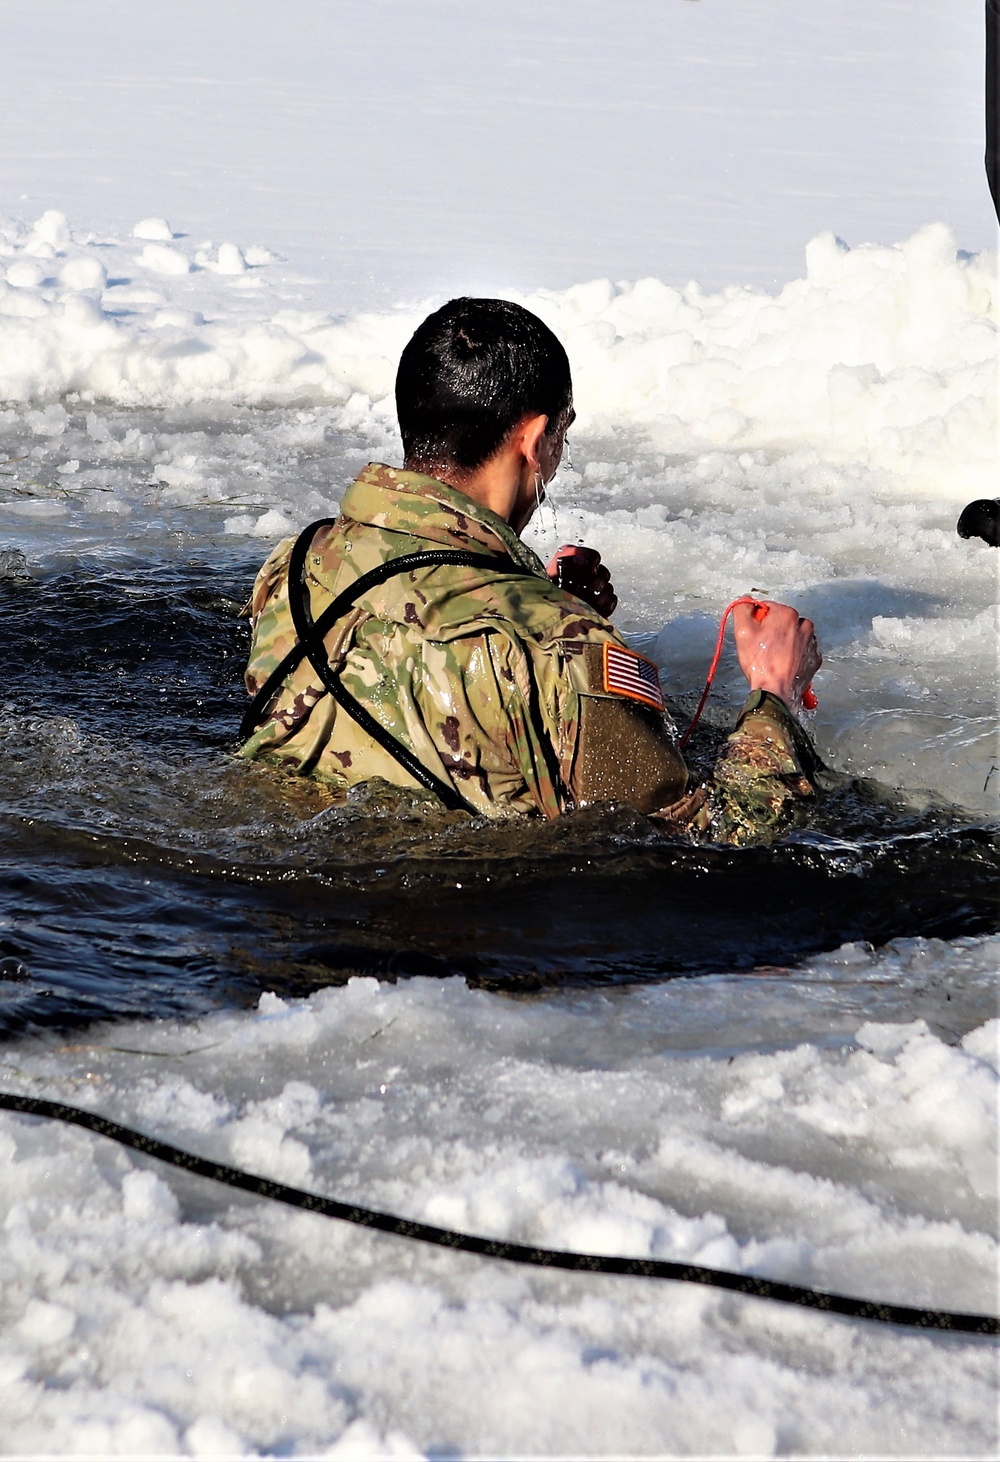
pixel 417 640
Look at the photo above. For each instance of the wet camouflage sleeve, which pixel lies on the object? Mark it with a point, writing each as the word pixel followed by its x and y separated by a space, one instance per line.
pixel 763 778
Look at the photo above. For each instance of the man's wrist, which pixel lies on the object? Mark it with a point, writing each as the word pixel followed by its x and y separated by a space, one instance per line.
pixel 769 685
pixel 766 701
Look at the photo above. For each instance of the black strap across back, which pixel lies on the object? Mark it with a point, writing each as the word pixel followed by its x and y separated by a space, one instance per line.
pixel 311 633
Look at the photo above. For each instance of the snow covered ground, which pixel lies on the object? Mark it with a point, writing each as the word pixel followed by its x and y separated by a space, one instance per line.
pixel 217 227
pixel 145 1313
pixel 393 149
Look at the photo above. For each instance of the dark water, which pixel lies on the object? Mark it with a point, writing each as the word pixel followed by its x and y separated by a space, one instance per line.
pixel 143 871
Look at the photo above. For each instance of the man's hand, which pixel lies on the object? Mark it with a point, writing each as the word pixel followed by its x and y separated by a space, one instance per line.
pixel 777 652
pixel 580 571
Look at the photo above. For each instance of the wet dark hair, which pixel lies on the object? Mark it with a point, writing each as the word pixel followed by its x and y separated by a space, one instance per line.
pixel 471 372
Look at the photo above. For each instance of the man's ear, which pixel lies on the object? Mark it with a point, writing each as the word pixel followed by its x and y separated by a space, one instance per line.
pixel 528 435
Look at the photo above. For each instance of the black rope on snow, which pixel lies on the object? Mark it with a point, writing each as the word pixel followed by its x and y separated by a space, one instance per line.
pixel 770 1289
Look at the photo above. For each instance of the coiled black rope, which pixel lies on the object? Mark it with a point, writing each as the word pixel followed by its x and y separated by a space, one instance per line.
pixel 426 1233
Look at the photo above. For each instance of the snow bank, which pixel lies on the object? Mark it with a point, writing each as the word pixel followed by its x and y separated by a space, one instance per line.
pixel 879 355
pixel 145 1312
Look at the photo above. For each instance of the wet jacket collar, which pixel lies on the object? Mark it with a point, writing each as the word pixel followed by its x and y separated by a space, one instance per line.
pixel 422 507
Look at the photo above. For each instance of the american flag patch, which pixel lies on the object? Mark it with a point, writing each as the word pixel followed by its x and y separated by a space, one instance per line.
pixel 626 673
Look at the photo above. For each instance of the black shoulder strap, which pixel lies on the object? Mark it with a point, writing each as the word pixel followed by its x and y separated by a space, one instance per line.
pixel 311 634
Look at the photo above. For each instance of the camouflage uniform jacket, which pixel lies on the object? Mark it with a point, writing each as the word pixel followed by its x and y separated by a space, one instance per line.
pixel 496 681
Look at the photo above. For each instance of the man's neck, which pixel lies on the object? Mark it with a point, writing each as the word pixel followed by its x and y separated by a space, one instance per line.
pixel 494 485
pixel 503 483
